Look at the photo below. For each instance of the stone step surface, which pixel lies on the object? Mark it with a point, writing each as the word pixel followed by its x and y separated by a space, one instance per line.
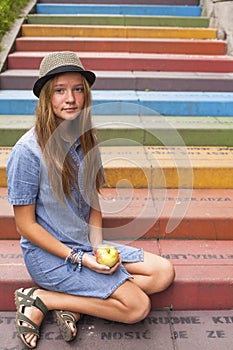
pixel 159 167
pixel 130 45
pixel 123 61
pixel 122 130
pixel 131 214
pixel 51 30
pixel 129 102
pixel 24 79
pixel 195 262
pixel 162 329
pixel 116 9
pixel 120 20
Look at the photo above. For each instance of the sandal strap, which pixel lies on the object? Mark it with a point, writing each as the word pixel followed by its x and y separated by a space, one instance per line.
pixel 26 329
pixel 27 300
pixel 67 316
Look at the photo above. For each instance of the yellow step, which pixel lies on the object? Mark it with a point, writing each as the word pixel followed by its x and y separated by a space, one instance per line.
pixel 117 32
pixel 158 167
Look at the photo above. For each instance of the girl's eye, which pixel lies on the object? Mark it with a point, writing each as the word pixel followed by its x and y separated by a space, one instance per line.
pixel 79 89
pixel 59 90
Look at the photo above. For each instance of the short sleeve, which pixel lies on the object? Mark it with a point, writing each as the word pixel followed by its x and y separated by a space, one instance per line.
pixel 23 171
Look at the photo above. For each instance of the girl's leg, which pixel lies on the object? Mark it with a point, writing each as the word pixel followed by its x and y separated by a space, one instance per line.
pixel 152 275
pixel 120 306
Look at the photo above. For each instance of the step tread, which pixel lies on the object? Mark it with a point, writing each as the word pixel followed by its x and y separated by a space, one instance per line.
pixel 131 55
pixel 116 9
pixel 124 61
pixel 22 79
pixel 118 19
pixel 148 2
pixel 131 74
pixel 211 47
pixel 123 130
pixel 160 330
pixel 159 167
pixel 41 30
pixel 153 214
pixel 211 255
pixel 183 103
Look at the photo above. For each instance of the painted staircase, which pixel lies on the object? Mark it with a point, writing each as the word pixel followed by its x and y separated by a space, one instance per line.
pixel 162 106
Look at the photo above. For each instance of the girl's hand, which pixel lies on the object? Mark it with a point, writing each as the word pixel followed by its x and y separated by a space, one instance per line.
pixel 90 262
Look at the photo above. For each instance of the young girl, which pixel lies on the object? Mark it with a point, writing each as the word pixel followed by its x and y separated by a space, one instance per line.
pixel 54 178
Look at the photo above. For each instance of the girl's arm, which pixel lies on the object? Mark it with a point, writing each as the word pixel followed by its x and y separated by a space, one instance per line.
pixel 96 238
pixel 95 223
pixel 28 227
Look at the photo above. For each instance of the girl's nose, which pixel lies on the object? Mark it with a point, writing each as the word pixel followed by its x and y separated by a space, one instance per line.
pixel 70 96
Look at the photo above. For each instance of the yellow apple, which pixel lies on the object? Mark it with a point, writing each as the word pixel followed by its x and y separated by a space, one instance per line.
pixel 107 255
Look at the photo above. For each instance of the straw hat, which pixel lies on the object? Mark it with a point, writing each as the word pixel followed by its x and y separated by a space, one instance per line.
pixel 60 62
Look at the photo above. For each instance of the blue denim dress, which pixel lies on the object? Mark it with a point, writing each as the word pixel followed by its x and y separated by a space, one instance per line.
pixel 28 184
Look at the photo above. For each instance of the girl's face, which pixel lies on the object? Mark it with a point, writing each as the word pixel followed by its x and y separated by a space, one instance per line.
pixel 68 95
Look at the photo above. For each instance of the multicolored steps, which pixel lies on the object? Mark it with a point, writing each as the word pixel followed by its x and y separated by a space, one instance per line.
pixel 162 106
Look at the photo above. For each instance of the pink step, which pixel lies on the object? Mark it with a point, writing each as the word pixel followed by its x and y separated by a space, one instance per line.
pixel 137 62
pixel 204 274
pixel 191 214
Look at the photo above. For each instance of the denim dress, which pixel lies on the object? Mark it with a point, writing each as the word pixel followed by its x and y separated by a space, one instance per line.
pixel 28 183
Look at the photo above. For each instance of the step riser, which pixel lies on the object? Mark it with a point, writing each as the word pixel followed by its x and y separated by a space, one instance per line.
pixel 168 64
pixel 132 10
pixel 133 83
pixel 149 21
pixel 117 32
pixel 185 293
pixel 148 215
pixel 202 178
pixel 133 46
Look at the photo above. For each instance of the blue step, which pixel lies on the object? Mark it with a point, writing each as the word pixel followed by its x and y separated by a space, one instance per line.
pixel 145 10
pixel 127 102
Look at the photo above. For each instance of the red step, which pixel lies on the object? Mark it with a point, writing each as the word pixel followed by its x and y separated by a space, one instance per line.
pixel 173 214
pixel 159 46
pixel 122 61
pixel 204 274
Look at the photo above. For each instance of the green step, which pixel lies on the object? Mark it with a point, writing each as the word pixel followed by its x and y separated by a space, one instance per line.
pixel 118 20
pixel 139 130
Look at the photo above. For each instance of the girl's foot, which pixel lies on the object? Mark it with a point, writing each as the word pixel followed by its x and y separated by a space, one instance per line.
pixel 30 314
pixel 67 323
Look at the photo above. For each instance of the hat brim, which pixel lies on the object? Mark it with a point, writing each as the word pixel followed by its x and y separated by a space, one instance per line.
pixel 90 76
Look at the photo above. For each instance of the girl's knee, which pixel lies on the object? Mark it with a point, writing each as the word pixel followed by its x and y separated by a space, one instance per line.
pixel 138 310
pixel 167 274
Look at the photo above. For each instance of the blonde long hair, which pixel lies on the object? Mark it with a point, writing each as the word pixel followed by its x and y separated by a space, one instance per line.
pixel 62 170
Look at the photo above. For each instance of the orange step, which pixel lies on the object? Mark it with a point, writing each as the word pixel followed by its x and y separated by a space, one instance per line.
pixel 134 45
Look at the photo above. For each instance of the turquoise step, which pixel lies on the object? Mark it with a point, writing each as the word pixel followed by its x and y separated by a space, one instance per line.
pixel 138 10
pixel 128 102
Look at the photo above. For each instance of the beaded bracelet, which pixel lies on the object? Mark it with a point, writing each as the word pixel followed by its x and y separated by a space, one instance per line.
pixel 75 258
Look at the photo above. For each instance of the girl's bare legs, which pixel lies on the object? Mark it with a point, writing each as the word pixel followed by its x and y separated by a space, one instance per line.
pixel 152 275
pixel 118 307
